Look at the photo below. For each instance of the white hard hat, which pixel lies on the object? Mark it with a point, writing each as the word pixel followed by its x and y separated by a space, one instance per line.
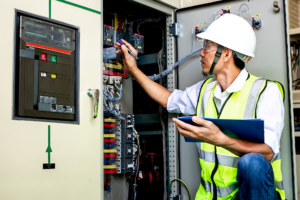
pixel 233 32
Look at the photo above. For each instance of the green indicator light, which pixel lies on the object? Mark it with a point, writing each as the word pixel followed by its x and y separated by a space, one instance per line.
pixel 53 59
pixel 35 34
pixel 29 23
pixel 60 30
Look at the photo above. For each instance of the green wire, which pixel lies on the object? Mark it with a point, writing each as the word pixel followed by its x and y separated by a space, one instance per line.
pixel 176 179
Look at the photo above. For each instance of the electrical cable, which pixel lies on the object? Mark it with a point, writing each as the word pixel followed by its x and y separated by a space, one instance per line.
pixel 137 162
pixel 193 34
pixel 110 97
pixel 167 71
pixel 193 38
pixel 112 111
pixel 216 12
pixel 163 125
pixel 176 179
pixel 244 4
pixel 138 27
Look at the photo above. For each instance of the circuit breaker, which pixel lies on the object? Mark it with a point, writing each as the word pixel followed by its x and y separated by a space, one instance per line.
pixel 108 35
pixel 45 70
pixel 137 41
pixel 120 35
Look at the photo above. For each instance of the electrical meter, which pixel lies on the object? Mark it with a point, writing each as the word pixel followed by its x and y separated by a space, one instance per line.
pixel 46 70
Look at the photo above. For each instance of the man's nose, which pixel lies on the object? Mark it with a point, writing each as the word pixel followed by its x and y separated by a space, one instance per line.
pixel 202 54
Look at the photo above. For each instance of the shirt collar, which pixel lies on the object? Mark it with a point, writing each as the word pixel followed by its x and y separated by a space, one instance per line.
pixel 236 86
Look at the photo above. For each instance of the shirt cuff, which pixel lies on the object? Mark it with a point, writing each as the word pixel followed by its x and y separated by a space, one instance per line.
pixel 272 141
pixel 172 106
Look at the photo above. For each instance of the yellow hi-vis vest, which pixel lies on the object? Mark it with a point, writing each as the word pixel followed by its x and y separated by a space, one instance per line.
pixel 223 170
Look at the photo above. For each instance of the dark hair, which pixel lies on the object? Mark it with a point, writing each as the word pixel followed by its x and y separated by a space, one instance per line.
pixel 238 62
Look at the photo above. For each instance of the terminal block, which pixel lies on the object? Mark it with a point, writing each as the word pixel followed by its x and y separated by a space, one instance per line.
pixel 124 166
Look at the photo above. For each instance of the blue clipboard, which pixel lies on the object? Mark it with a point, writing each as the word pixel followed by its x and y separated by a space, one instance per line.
pixel 244 129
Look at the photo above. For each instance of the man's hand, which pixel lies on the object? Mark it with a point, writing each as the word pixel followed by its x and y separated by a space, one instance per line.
pixel 210 133
pixel 207 132
pixel 128 61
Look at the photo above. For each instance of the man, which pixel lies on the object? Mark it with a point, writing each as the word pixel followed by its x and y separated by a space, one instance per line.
pixel 230 168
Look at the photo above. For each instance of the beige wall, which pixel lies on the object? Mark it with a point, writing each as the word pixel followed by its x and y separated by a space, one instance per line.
pixel 184 3
pixel 187 3
pixel 77 149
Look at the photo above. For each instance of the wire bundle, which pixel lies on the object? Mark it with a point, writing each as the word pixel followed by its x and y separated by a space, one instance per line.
pixel 167 71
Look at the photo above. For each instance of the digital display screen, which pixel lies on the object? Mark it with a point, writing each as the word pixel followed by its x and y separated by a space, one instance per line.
pixel 46 33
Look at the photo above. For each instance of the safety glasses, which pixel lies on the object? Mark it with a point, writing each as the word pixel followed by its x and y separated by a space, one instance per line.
pixel 209 46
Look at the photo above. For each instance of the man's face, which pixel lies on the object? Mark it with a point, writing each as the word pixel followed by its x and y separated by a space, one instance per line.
pixel 208 55
pixel 207 60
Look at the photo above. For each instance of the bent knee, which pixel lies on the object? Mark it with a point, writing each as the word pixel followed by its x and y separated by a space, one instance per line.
pixel 254 161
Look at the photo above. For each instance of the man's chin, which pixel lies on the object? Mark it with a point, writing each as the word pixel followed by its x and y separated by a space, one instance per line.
pixel 204 73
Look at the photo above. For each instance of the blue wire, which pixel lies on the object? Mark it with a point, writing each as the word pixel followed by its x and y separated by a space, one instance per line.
pixel 167 71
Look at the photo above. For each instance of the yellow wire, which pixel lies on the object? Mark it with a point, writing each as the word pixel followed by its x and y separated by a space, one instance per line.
pixel 177 179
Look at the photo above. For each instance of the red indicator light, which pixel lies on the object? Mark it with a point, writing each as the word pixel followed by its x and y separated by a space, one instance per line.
pixel 141 51
pixel 44 57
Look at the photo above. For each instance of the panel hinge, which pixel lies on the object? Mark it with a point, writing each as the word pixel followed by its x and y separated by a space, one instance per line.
pixel 174 29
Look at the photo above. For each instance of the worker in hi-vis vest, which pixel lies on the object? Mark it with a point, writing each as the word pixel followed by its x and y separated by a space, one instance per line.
pixel 230 168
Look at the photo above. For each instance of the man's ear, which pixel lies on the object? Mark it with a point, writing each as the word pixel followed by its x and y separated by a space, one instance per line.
pixel 227 54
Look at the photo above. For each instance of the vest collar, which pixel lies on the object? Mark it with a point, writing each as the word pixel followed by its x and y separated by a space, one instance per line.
pixel 236 86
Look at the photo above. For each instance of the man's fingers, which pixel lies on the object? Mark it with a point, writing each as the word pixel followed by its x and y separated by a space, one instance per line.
pixel 131 48
pixel 200 121
pixel 184 125
pixel 124 51
pixel 185 133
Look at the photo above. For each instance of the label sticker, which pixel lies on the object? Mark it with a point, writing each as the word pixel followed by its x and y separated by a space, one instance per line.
pixel 227 7
pixel 257 15
pixel 43 74
pixel 139 47
pixel 200 25
pixel 108 39
pixel 53 75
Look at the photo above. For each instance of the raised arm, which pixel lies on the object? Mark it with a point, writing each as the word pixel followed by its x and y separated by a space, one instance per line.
pixel 157 92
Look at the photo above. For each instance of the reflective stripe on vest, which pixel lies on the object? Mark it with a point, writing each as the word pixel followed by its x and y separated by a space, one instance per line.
pixel 221 192
pixel 225 160
pixel 245 101
pixel 252 99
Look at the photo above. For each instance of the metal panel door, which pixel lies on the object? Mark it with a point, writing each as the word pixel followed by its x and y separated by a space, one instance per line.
pixel 271 62
pixel 77 148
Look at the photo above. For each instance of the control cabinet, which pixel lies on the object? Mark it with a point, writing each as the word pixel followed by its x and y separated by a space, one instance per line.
pixel 45 69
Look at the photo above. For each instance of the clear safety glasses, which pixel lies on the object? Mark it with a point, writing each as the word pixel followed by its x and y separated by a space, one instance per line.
pixel 209 46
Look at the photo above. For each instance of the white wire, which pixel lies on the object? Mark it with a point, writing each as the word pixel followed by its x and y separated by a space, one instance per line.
pixel 196 37
pixel 246 13
pixel 244 4
pixel 193 38
pixel 215 13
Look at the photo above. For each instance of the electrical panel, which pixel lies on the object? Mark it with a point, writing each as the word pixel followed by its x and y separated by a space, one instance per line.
pixel 133 163
pixel 136 40
pixel 46 70
pixel 108 35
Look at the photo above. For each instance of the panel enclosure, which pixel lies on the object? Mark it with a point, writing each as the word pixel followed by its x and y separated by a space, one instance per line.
pixel 271 62
pixel 46 69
